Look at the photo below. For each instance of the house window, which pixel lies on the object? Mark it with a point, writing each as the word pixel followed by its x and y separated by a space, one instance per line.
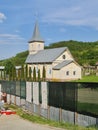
pixel 36 69
pixel 74 72
pixel 49 71
pixel 67 72
pixel 63 56
pixel 38 46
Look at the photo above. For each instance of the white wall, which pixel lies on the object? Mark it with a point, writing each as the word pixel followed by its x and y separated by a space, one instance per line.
pixel 29 91
pixel 36 93
pixel 61 74
pixel 44 95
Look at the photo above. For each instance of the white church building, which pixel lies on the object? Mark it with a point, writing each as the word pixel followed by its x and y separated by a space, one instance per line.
pixel 58 62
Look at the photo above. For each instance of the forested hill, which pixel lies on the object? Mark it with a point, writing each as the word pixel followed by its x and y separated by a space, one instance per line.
pixel 84 52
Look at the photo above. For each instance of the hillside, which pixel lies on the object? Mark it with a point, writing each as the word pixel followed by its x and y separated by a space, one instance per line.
pixel 84 52
pixel 19 59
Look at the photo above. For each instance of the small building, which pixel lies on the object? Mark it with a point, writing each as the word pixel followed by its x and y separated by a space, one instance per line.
pixel 96 65
pixel 58 62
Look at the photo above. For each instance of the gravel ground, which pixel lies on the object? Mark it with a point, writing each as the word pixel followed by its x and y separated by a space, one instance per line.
pixel 14 122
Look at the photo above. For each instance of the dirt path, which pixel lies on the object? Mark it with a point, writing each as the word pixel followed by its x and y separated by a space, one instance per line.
pixel 14 122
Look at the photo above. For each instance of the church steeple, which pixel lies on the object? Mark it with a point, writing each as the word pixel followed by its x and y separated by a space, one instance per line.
pixel 36 43
pixel 36 34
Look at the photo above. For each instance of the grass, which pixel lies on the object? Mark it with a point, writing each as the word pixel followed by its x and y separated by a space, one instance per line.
pixel 90 78
pixel 40 120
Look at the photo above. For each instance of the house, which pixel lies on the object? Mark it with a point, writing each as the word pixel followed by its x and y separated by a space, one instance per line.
pixel 58 62
pixel 96 65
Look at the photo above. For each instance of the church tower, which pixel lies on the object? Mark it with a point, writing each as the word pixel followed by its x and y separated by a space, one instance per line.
pixel 36 43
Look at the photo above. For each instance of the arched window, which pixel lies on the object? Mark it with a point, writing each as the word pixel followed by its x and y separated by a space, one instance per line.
pixel 63 56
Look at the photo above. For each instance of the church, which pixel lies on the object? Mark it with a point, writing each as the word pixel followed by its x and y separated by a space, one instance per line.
pixel 59 63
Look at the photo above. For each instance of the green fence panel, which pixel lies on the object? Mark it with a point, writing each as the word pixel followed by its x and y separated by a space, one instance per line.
pixel 87 102
pixel 18 88
pixel 62 95
pixel 40 93
pixel 5 87
pixel 12 87
pixel 22 89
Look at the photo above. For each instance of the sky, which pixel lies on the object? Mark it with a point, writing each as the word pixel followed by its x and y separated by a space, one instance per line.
pixel 59 20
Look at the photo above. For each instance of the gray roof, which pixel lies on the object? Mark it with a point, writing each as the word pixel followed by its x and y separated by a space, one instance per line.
pixel 36 34
pixel 62 64
pixel 2 67
pixel 18 67
pixel 45 56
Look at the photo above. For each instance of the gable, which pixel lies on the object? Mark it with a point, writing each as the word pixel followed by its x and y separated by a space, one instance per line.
pixel 66 55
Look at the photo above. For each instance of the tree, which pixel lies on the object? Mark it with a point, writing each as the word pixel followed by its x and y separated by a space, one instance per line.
pixel 30 72
pixel 19 74
pixel 44 73
pixel 26 71
pixel 8 68
pixel 38 74
pixel 13 73
pixel 34 74
pixel 22 72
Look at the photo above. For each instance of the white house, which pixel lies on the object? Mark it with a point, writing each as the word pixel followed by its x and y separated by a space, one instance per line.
pixel 58 62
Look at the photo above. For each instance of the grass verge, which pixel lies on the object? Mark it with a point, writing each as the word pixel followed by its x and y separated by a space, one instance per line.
pixel 90 78
pixel 36 119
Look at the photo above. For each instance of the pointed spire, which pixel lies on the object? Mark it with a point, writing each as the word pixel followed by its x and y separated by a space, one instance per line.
pixel 36 35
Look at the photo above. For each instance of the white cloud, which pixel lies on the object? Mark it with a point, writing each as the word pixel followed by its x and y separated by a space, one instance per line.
pixel 63 30
pixel 81 13
pixel 11 39
pixel 2 17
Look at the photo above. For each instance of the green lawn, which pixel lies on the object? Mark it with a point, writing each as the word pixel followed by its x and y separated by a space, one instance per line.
pixel 90 78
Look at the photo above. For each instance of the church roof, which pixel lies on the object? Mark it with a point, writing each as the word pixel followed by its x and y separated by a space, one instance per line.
pixel 62 64
pixel 45 56
pixel 36 34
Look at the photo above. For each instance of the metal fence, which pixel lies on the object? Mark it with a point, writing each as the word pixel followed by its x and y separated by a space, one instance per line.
pixel 71 96
pixel 16 88
pixel 76 97
pixel 87 99
pixel 63 95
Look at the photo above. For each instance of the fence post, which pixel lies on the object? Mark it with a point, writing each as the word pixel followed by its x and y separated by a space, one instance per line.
pixel 75 118
pixel 60 114
pixel 48 112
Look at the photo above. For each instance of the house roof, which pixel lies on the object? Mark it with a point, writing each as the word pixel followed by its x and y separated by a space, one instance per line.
pixel 2 67
pixel 45 56
pixel 18 67
pixel 36 34
pixel 62 64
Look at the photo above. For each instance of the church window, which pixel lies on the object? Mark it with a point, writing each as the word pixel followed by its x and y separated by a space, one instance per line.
pixel 49 71
pixel 67 73
pixel 63 56
pixel 74 72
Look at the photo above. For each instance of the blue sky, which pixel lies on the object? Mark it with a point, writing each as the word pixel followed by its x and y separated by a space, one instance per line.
pixel 59 20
